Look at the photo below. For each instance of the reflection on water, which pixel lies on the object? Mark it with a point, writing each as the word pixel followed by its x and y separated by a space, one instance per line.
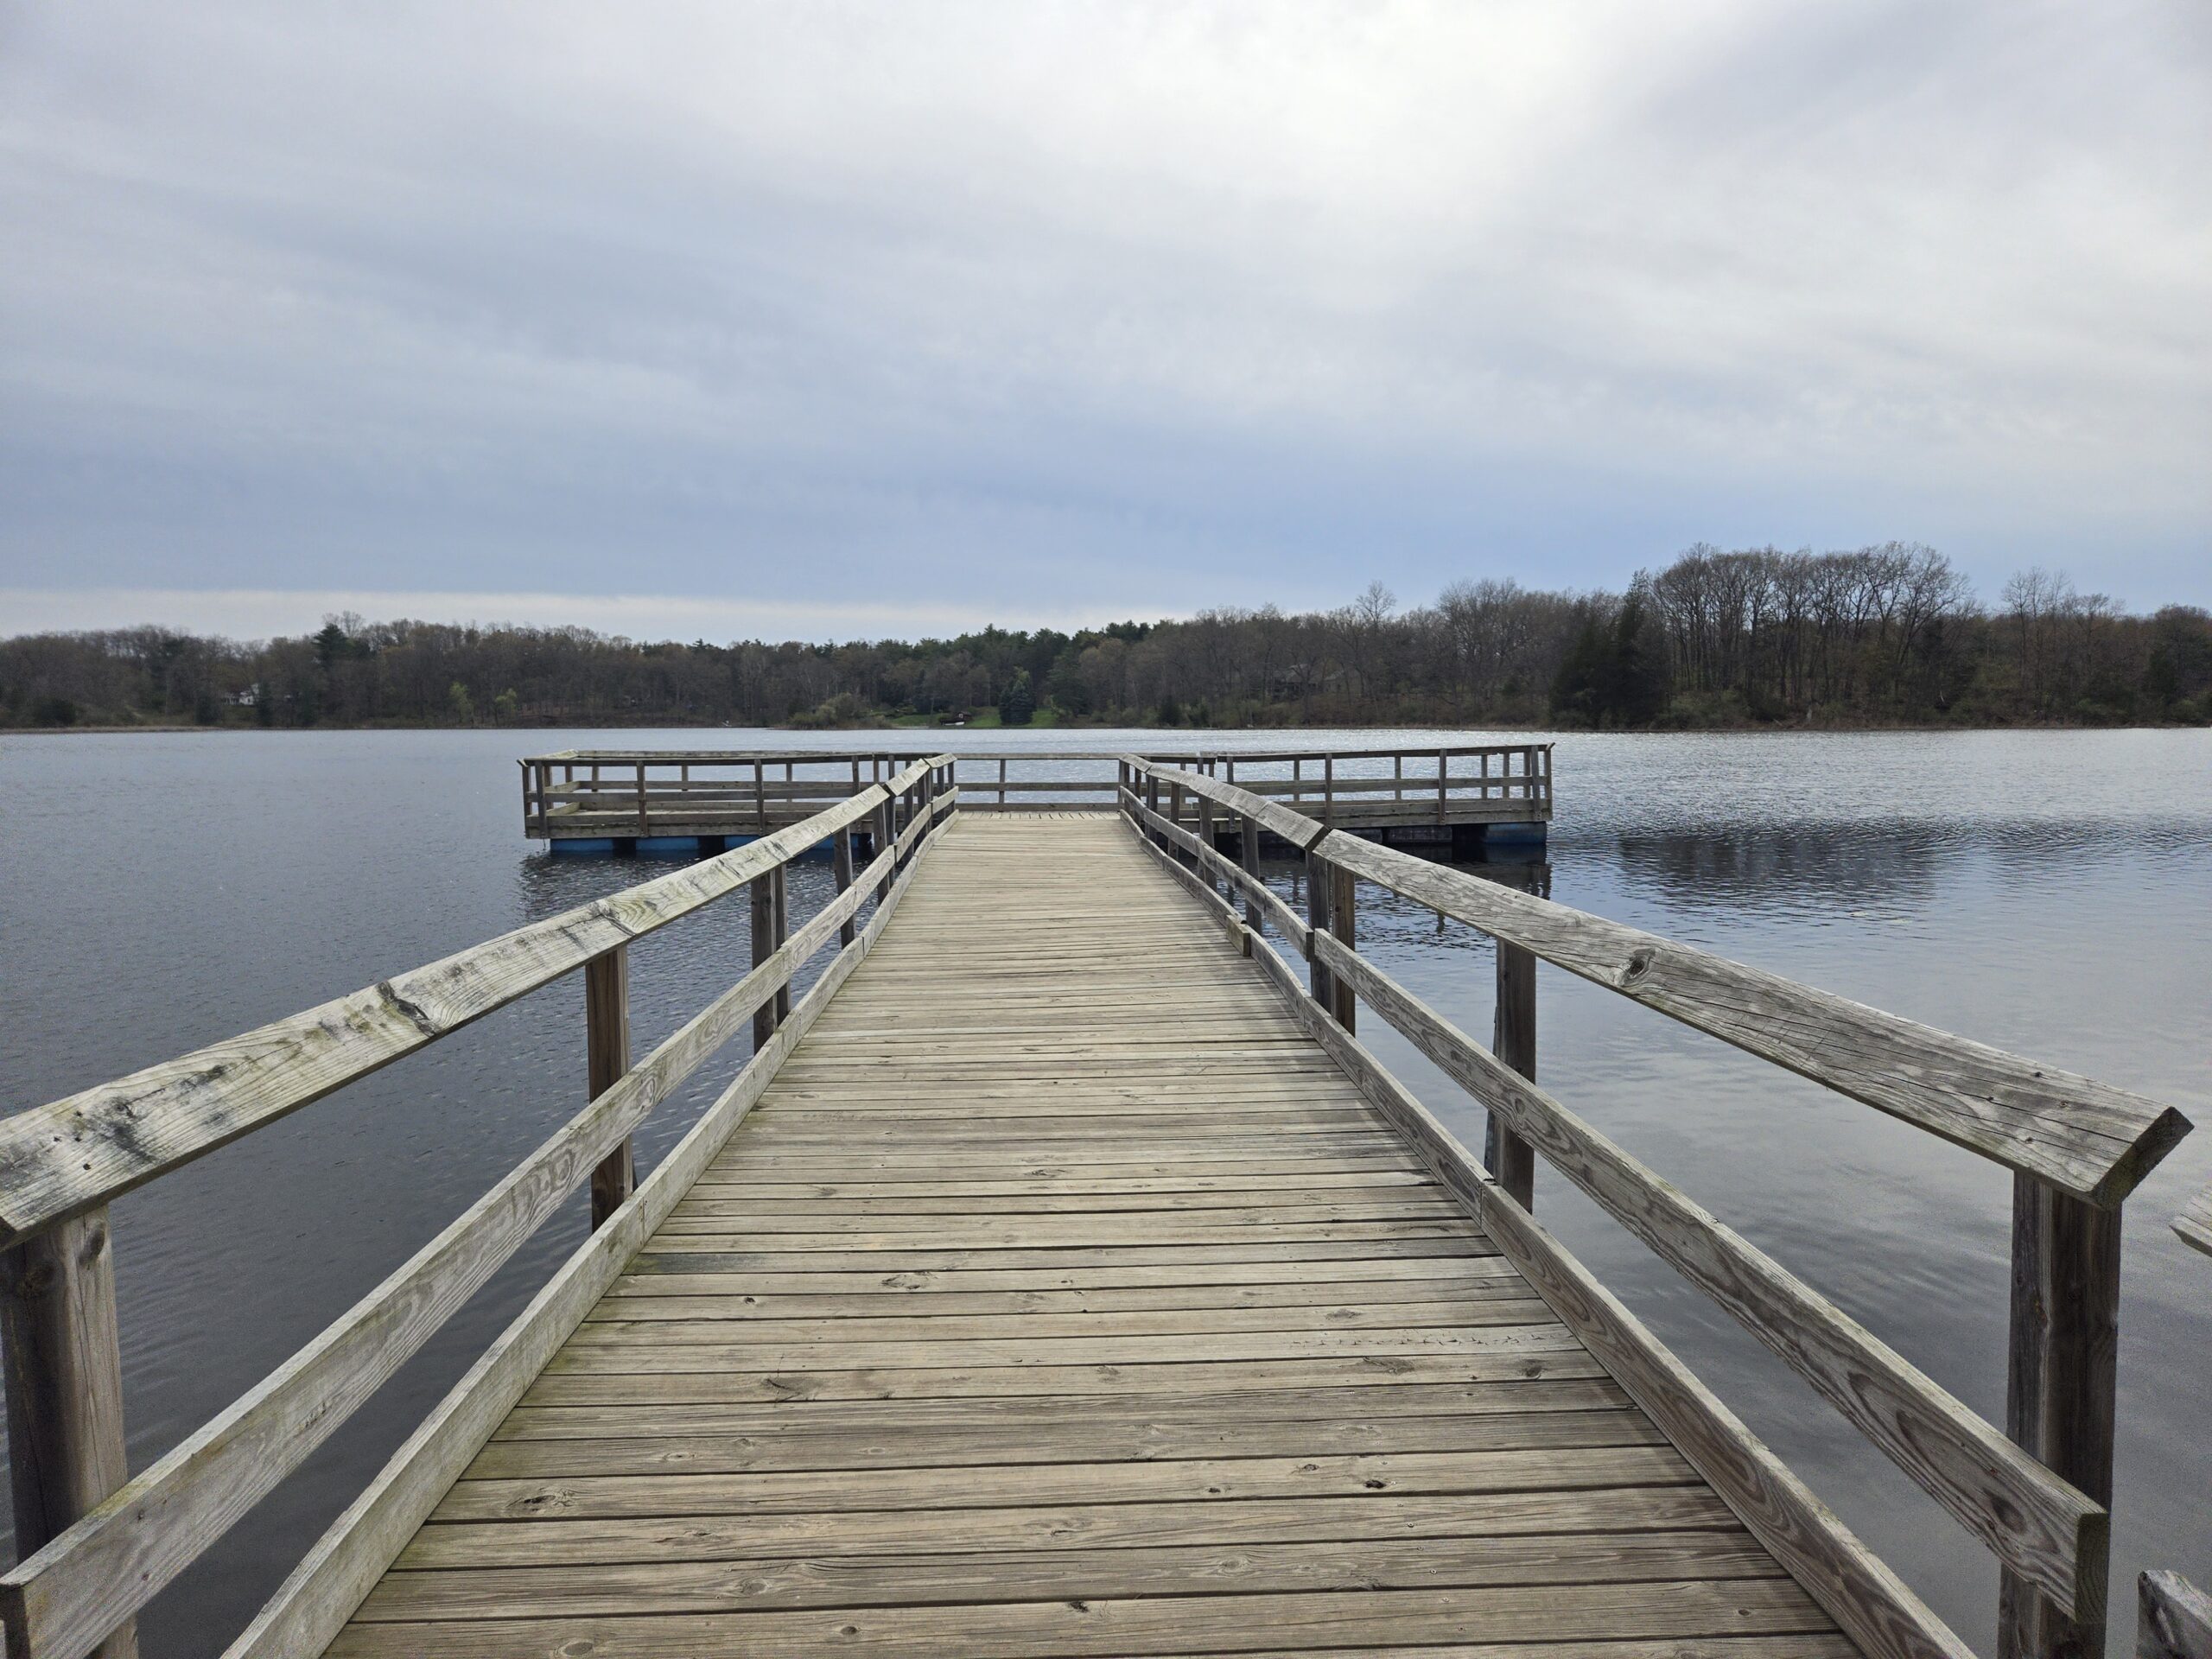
pixel 2045 891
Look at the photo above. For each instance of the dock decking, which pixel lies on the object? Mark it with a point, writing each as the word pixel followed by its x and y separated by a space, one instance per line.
pixel 1061 1295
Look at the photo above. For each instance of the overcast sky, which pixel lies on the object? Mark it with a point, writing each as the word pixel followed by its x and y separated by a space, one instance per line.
pixel 827 320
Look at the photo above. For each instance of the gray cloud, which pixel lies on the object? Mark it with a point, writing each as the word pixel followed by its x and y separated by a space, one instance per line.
pixel 1112 309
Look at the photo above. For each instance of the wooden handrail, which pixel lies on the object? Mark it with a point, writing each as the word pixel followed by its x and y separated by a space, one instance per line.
pixel 2090 1140
pixel 2035 1523
pixel 60 1159
pixel 314 1603
pixel 2036 1498
pixel 1880 1613
pixel 63 1599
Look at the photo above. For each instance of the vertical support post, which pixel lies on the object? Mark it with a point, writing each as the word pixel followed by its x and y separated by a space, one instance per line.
pixel 1001 783
pixel 65 1384
pixel 883 844
pixel 763 893
pixel 760 794
pixel 606 1057
pixel 1443 783
pixel 1513 1039
pixel 1206 840
pixel 1346 1004
pixel 1329 790
pixel 1247 855
pixel 645 823
pixel 840 856
pixel 2059 1390
pixel 781 888
pixel 1318 889
pixel 1397 777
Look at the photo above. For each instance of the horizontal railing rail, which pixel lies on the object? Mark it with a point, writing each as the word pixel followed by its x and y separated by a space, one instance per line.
pixel 84 1576
pixel 2036 1495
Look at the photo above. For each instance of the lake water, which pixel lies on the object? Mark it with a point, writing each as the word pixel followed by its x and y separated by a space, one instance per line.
pixel 2046 892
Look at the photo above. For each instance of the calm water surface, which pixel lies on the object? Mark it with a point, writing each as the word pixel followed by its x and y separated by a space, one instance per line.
pixel 2046 892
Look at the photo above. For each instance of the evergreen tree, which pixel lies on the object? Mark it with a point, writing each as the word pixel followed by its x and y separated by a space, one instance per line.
pixel 1018 704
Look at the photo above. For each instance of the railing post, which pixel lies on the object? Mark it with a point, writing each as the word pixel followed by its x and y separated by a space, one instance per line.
pixel 1346 1003
pixel 1318 889
pixel 1443 783
pixel 1247 855
pixel 606 1057
pixel 1329 790
pixel 882 838
pixel 841 866
pixel 780 886
pixel 65 1384
pixel 1513 1039
pixel 2059 1390
pixel 763 891
pixel 645 823
pixel 1206 840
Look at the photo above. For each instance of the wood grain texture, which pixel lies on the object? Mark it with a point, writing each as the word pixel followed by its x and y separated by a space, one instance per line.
pixel 2061 1369
pixel 65 1444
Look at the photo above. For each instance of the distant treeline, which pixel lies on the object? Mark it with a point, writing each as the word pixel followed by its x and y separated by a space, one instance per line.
pixel 1887 635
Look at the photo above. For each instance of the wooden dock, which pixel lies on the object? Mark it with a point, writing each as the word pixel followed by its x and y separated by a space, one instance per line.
pixel 1467 797
pixel 982 1336
pixel 1062 1275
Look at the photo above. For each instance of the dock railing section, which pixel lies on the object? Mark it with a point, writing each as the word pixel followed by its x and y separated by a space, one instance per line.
pixel 2035 1494
pixel 95 1547
pixel 1348 788
pixel 642 794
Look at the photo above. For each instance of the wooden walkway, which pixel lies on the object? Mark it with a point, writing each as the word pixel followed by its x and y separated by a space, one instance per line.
pixel 1063 1297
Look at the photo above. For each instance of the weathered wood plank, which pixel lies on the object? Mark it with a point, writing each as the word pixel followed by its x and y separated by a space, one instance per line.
pixel 452 1544
pixel 1144 1625
pixel 926 1579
